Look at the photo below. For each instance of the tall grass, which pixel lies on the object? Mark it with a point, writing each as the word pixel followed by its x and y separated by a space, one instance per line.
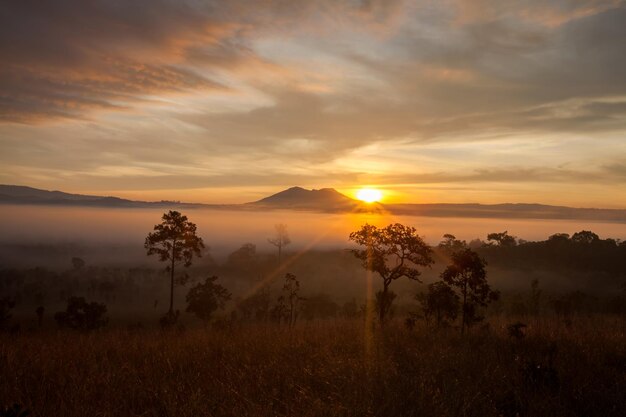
pixel 575 368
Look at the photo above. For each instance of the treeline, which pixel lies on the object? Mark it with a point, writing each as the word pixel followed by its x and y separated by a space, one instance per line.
pixel 583 251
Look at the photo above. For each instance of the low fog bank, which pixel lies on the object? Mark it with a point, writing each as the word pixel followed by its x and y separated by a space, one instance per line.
pixel 50 254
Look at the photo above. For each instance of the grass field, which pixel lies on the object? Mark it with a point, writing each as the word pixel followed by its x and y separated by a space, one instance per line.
pixel 574 367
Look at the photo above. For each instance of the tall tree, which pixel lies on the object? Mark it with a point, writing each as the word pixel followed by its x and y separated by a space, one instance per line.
pixel 174 240
pixel 394 251
pixel 280 239
pixel 467 274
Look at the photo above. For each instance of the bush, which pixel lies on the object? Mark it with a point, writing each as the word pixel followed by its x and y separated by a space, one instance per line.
pixel 81 315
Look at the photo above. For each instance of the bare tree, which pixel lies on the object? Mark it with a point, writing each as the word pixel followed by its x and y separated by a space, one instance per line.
pixel 280 239
pixel 175 241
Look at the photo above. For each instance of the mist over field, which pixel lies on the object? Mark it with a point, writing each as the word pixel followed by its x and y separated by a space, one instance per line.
pixel 113 236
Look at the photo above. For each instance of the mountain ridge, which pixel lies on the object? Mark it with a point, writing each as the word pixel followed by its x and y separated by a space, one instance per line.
pixel 321 200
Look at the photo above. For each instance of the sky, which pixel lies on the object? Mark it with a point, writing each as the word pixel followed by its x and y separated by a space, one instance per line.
pixel 486 101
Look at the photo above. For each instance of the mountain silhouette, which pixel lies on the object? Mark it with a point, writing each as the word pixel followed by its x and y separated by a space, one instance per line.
pixel 18 194
pixel 322 200
pixel 325 199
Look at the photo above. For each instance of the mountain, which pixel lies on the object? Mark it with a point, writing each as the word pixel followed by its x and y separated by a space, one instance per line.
pixel 17 194
pixel 324 199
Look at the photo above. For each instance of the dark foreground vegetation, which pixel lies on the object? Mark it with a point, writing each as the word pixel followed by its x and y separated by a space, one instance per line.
pixel 558 367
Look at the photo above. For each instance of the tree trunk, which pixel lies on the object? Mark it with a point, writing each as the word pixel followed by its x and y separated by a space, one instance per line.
pixel 464 306
pixel 383 305
pixel 171 310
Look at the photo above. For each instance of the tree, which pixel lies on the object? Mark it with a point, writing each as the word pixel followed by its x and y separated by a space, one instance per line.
pixel 204 299
pixel 394 251
pixel 451 244
pixel 280 239
pixel 290 298
pixel 81 315
pixel 174 240
pixel 502 239
pixel 383 302
pixel 78 263
pixel 585 237
pixel 256 305
pixel 440 301
pixel 467 274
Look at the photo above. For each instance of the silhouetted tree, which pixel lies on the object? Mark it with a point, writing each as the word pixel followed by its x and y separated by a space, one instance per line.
pixel 256 305
pixel 383 302
pixel 291 299
pixel 78 263
pixel 174 240
pixel 451 244
pixel 204 299
pixel 280 239
pixel 585 236
pixel 81 315
pixel 244 258
pixel 467 274
pixel 319 306
pixel 440 301
pixel 394 251
pixel 502 239
pixel 350 309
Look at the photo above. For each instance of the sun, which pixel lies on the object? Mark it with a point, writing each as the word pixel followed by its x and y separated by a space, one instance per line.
pixel 369 195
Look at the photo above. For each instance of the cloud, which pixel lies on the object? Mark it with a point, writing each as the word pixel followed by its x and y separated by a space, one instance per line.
pixel 168 90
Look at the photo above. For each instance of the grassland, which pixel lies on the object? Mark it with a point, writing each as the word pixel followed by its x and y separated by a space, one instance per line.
pixel 573 367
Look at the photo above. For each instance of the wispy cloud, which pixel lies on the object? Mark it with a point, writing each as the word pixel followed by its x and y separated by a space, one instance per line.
pixel 179 93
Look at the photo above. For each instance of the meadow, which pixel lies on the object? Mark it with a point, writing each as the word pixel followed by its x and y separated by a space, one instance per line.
pixel 573 366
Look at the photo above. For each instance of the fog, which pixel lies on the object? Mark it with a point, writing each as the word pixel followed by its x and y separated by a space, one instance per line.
pixel 224 230
pixel 51 235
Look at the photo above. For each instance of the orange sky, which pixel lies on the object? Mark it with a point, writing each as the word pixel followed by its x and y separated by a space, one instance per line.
pixel 449 101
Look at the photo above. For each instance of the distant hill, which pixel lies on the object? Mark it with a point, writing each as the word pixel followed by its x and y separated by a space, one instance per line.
pixel 17 194
pixel 322 200
pixel 508 210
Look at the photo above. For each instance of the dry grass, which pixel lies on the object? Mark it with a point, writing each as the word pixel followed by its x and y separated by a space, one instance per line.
pixel 321 368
